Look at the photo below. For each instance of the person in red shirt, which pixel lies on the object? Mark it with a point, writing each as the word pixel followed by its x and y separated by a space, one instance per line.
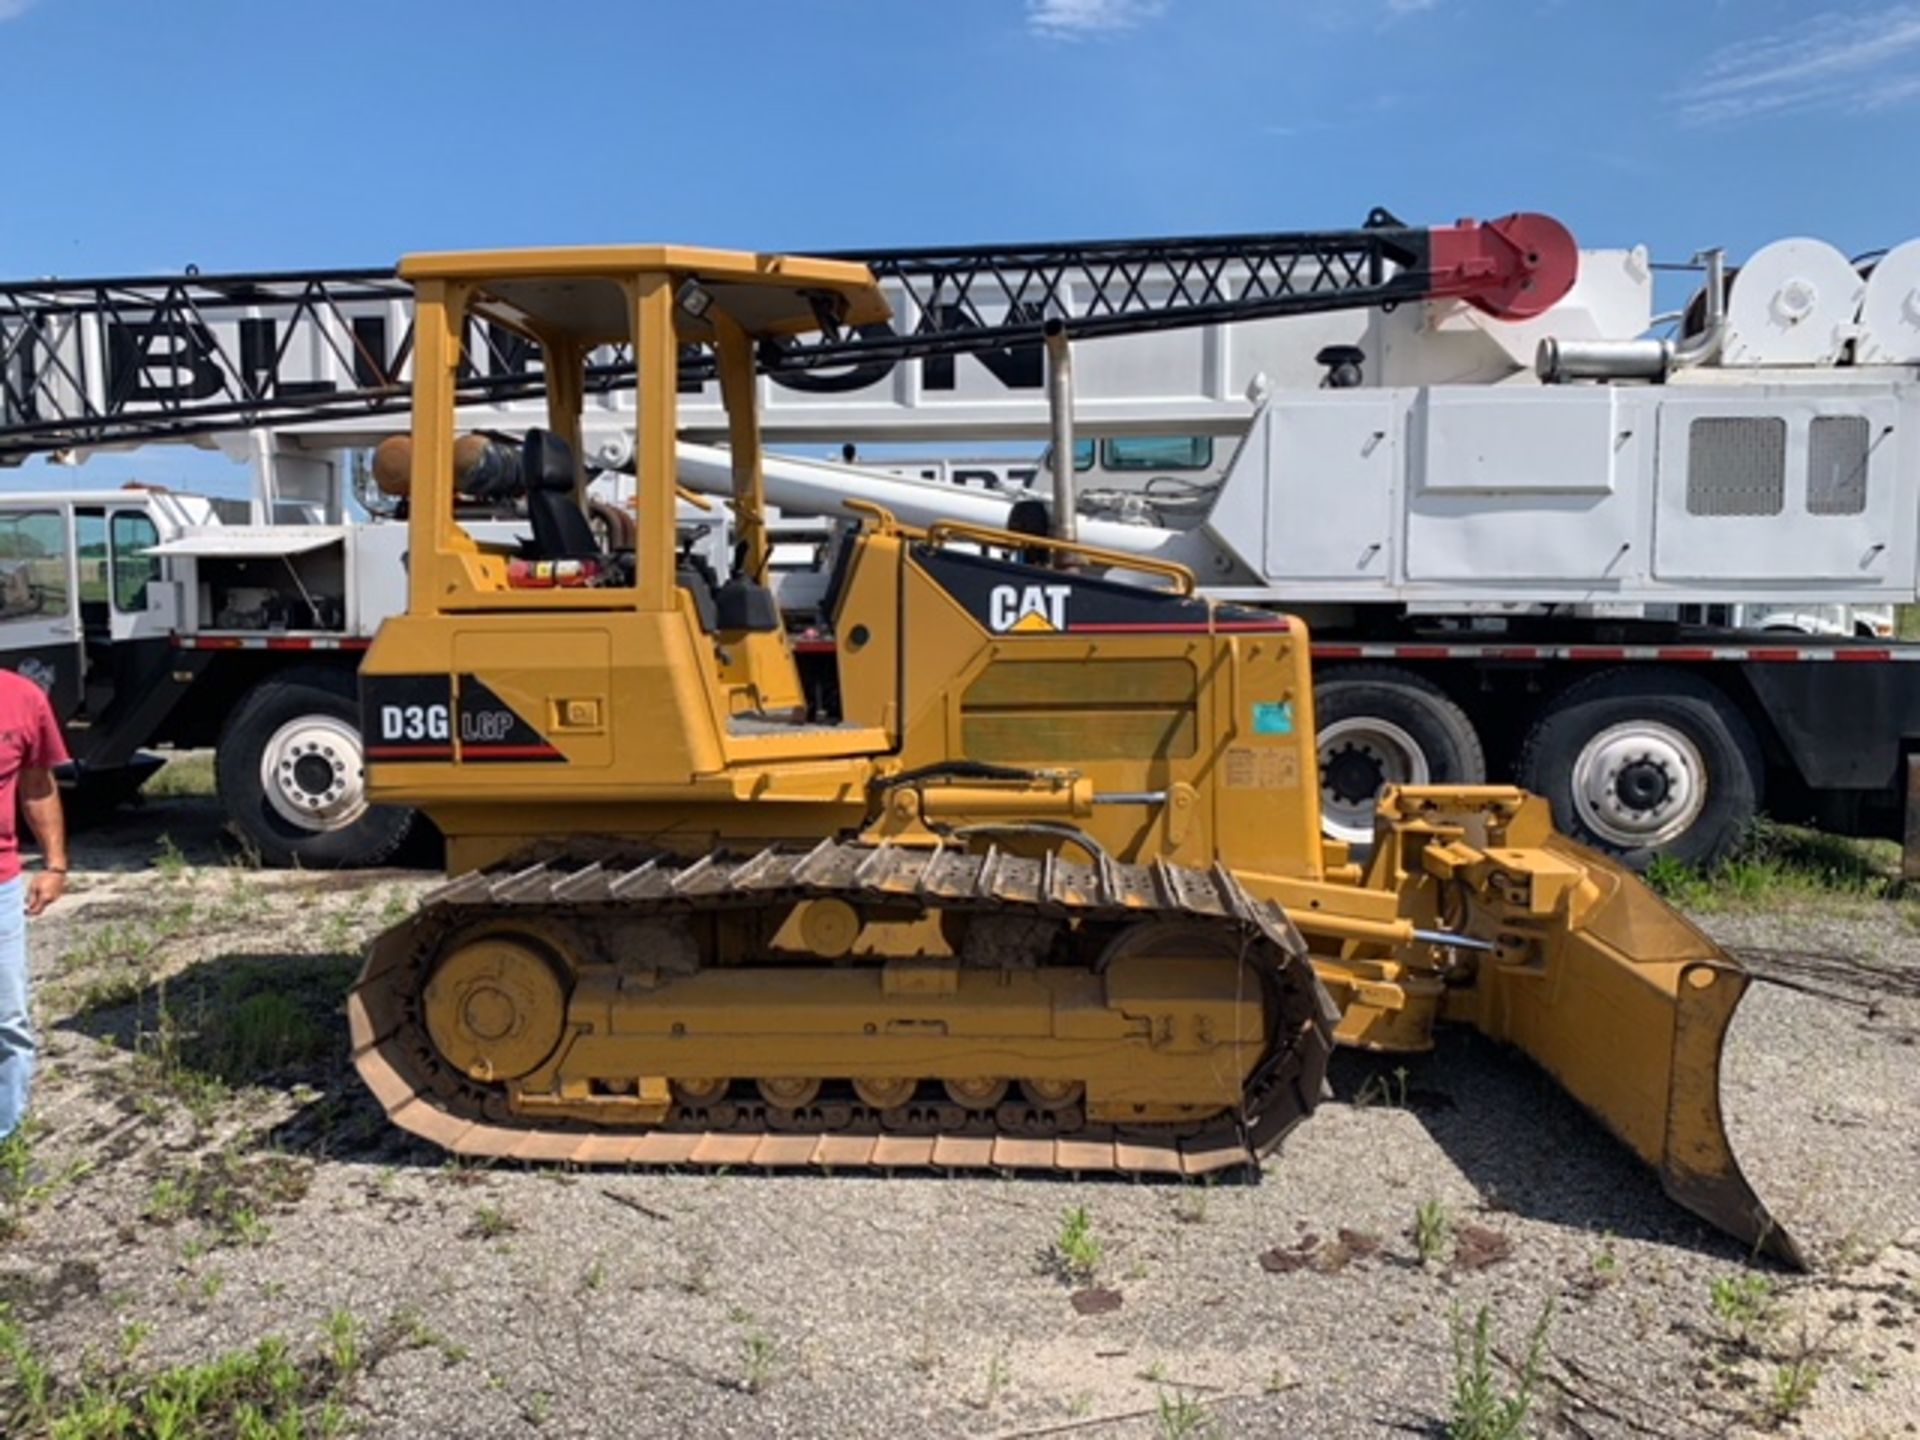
pixel 30 746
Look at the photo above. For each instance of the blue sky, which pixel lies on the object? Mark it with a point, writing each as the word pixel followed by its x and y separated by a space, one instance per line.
pixel 236 134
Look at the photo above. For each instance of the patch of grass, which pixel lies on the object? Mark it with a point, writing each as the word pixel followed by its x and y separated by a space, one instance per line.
pixel 264 1392
pixel 1190 1204
pixel 1432 1228
pixel 1383 1087
pixel 196 1039
pixel 1481 1406
pixel 1076 1249
pixel 1743 1304
pixel 405 1329
pixel 1181 1417
pixel 1790 1387
pixel 230 1192
pixel 759 1354
pixel 490 1222
pixel 25 1185
pixel 188 773
pixel 1780 862
pixel 169 860
pixel 342 1348
pixel 1606 1264
pixel 263 1034
pixel 996 1379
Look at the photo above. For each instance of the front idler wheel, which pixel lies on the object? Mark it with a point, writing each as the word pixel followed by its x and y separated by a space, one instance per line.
pixel 496 1007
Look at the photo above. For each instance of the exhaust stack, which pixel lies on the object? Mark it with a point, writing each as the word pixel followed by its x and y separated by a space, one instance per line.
pixel 1558 361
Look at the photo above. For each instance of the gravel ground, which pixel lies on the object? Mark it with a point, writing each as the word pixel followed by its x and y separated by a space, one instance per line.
pixel 204 1180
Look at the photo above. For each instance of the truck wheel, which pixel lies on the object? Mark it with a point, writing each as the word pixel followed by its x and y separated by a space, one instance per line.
pixel 1638 764
pixel 1381 726
pixel 292 775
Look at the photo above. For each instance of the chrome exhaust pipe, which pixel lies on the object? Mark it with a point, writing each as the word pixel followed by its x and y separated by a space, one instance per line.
pixel 1060 412
pixel 1558 361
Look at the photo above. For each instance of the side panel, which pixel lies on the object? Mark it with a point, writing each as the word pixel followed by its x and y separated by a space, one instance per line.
pixel 1333 466
pixel 1521 485
pixel 1782 488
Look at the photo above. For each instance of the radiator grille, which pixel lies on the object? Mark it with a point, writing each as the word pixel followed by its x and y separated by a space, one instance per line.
pixel 1737 465
pixel 1837 465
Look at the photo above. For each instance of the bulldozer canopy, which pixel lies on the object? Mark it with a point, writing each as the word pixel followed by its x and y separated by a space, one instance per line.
pixel 576 292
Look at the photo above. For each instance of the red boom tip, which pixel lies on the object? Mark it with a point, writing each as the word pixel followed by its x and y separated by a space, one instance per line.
pixel 1513 268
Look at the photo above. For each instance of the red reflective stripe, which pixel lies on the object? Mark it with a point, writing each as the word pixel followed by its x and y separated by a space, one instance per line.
pixel 1863 654
pixel 1336 652
pixel 409 752
pixel 1683 652
pixel 1773 654
pixel 1165 627
pixel 1596 652
pixel 509 751
pixel 813 647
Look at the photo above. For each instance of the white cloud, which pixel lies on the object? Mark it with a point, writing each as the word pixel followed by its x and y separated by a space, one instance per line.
pixel 13 9
pixel 1863 61
pixel 1075 19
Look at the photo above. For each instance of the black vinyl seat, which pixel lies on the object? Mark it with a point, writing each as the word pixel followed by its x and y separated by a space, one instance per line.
pixel 561 530
pixel 697 584
pixel 743 604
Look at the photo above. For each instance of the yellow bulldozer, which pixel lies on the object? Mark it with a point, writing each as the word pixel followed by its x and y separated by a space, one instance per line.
pixel 1046 891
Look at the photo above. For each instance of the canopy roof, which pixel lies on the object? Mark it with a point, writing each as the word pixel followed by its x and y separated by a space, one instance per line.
pixel 575 291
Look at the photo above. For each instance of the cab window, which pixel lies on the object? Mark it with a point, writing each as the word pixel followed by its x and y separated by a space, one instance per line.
pixel 1159 452
pixel 33 565
pixel 133 568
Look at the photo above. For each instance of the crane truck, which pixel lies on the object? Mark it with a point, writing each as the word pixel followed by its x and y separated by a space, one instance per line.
pixel 1511 571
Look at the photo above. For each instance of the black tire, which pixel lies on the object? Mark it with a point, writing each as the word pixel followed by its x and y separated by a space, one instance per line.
pixel 1652 706
pixel 370 838
pixel 1416 717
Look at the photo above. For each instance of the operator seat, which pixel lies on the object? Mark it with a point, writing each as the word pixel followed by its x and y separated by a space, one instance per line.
pixel 561 530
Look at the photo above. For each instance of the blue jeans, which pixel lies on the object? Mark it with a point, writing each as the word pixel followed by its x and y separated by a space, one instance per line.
pixel 16 1026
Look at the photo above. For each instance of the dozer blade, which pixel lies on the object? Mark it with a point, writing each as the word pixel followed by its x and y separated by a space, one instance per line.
pixel 1621 999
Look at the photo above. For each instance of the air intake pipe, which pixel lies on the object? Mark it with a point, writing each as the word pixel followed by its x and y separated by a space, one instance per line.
pixel 1557 361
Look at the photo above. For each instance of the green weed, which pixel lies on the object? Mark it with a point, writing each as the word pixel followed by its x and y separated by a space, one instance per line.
pixel 1076 1249
pixel 1482 1407
pixel 1432 1228
pixel 1606 1265
pixel 1791 1387
pixel 169 859
pixel 1181 1417
pixel 1743 1304
pixel 490 1222
pixel 230 1192
pixel 1384 1088
pixel 759 1353
pixel 342 1333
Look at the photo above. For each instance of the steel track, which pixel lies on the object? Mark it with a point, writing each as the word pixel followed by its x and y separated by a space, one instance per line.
pixel 424 1095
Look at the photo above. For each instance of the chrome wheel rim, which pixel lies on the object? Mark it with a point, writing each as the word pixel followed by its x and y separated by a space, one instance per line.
pixel 1639 784
pixel 1363 745
pixel 315 774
